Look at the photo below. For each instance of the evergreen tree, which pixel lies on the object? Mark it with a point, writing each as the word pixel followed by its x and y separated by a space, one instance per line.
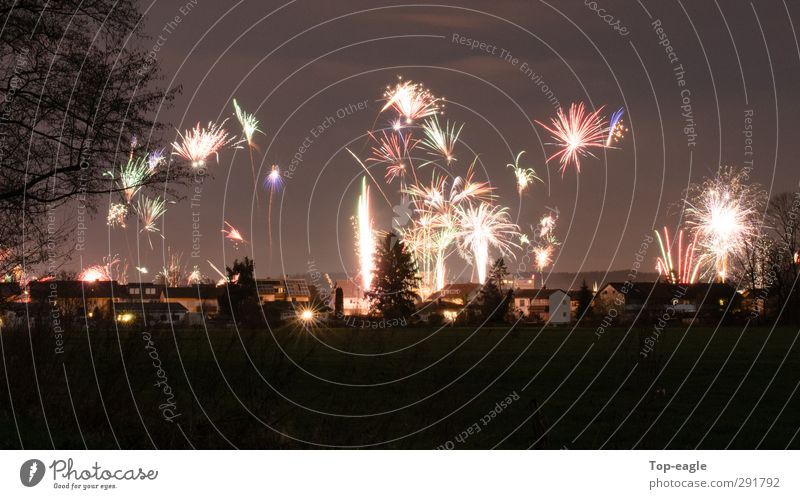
pixel 585 297
pixel 492 301
pixel 338 303
pixel 241 300
pixel 394 285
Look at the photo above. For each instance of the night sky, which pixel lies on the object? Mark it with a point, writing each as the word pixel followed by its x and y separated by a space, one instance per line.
pixel 302 64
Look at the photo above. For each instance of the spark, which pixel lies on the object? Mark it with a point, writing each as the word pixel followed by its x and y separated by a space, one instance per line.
pixel 524 176
pixel 112 269
pixel 546 225
pixel 155 158
pixel 248 121
pixel 116 214
pixel 172 273
pixel 233 234
pixel 543 256
pixel 686 270
pixel 575 134
pixel 411 100
pixel 198 144
pixel 616 127
pixel 273 180
pixel 195 277
pixel 142 270
pixel 441 140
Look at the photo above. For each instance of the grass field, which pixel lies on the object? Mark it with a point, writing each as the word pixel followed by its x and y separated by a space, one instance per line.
pixel 403 388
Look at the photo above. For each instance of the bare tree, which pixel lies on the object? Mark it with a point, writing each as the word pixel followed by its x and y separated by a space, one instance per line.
pixel 77 90
pixel 783 215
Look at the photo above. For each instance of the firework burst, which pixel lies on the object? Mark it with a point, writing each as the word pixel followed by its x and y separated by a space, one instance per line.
pixel 248 122
pixel 132 176
pixel 233 234
pixel 575 134
pixel 723 212
pixel 117 212
pixel 484 226
pixel 149 210
pixel 441 140
pixel 392 149
pixel 412 101
pixel 198 144
pixel 524 176
pixel 616 127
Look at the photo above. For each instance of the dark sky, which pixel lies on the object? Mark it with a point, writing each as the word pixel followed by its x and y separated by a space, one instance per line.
pixel 297 63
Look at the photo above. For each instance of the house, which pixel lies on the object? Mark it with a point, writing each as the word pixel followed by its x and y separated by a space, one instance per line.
pixel 355 301
pixel 650 300
pixel 291 290
pixel 457 293
pixel 144 291
pixel 76 298
pixel 560 307
pixel 149 312
pixel 201 299
pixel 448 311
pixel 535 304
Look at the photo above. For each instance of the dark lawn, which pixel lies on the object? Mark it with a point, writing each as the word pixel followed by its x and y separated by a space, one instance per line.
pixel 404 388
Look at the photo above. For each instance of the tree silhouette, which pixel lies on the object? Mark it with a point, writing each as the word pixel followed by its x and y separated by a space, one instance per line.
pixel 77 90
pixel 584 300
pixel 393 292
pixel 492 301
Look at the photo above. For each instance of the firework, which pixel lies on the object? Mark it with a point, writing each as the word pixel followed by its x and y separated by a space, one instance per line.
pixel 155 158
pixel 223 278
pixel 142 270
pixel 116 214
pixel 543 256
pixel 248 121
pixel 132 176
pixel 524 240
pixel 575 134
pixel 441 140
pixel 112 269
pixel 273 180
pixel 686 270
pixel 365 238
pixel 233 234
pixel 195 277
pixel 149 211
pixel 524 176
pixel 546 225
pixel 392 150
pixel 411 100
pixel 484 226
pixel 172 274
pixel 198 144
pixel 616 127
pixel 723 213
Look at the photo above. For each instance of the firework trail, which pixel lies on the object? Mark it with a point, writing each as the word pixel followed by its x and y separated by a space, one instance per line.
pixel 273 181
pixel 249 125
pixel 223 278
pixel 575 134
pixel 441 140
pixel 686 270
pixel 365 238
pixel 198 144
pixel 484 226
pixel 524 176
pixel 234 235
pixel 172 274
pixel 412 102
pixel 616 127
